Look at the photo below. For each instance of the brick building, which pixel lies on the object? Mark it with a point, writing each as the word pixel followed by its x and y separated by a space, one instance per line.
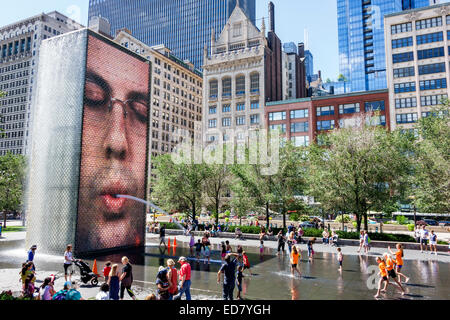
pixel 302 120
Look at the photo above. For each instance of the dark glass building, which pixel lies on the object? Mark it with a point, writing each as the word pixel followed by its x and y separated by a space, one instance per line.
pixel 184 26
pixel 362 58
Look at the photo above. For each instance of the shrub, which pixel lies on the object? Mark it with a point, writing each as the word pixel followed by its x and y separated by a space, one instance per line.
pixel 294 217
pixel 401 220
pixel 311 232
pixel 346 218
pixel 304 218
pixel 410 227
pixel 442 242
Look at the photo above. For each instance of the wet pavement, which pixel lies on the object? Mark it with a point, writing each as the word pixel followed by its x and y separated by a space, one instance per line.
pixel 430 278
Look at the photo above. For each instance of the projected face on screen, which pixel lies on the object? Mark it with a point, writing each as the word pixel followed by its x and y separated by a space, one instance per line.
pixel 114 147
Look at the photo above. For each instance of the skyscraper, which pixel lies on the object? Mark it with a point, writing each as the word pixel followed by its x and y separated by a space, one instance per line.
pixel 19 59
pixel 184 26
pixel 361 39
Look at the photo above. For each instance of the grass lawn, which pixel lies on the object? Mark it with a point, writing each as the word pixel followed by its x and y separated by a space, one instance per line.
pixel 13 229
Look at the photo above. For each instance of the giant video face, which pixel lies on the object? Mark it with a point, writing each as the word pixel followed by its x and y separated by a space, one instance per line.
pixel 113 148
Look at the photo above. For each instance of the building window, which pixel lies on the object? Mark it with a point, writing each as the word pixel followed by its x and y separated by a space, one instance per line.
pixel 299 127
pixel 374 106
pixel 433 100
pixel 240 85
pixel 237 29
pixel 432 68
pixel 226 87
pixel 212 110
pixel 349 108
pixel 405 103
pixel 212 123
pixel 430 53
pixel 406 118
pixel 254 105
pixel 433 84
pixel 276 116
pixel 254 119
pixel 429 23
pixel 404 72
pixel 278 127
pixel 325 125
pixel 213 89
pixel 402 57
pixel 325 111
pixel 405 87
pixel 401 43
pixel 299 114
pixel 240 120
pixel 240 106
pixel 226 108
pixel 226 122
pixel 430 37
pixel 302 141
pixel 254 82
pixel 403 27
pixel 376 121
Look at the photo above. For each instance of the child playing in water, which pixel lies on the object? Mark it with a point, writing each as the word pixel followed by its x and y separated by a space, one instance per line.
pixel 340 258
pixel 261 249
pixel 239 276
pixel 295 256
pixel 246 262
pixel 399 262
pixel 383 276
pixel 192 244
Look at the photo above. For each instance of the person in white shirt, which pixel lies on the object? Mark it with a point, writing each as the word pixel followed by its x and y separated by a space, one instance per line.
pixel 423 239
pixel 104 292
pixel 68 261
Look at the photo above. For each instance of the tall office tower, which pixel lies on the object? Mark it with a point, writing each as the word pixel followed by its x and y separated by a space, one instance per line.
pixel 412 4
pixel 417 62
pixel 294 71
pixel 241 72
pixel 361 40
pixel 183 26
pixel 309 65
pixel 20 43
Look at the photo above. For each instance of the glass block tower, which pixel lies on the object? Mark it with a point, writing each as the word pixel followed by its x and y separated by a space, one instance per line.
pixel 184 26
pixel 362 56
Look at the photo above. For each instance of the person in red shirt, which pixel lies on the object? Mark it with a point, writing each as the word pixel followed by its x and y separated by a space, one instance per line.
pixel 173 278
pixel 246 262
pixel 185 279
pixel 107 270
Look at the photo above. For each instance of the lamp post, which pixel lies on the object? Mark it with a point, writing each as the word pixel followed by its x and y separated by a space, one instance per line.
pixel 413 198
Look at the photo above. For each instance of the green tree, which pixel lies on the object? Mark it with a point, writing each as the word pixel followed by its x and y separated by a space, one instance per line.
pixel 289 182
pixel 178 186
pixel 431 162
pixel 241 202
pixel 217 181
pixel 12 176
pixel 341 77
pixel 360 169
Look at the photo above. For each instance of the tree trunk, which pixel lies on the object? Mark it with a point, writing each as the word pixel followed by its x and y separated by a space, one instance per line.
pixel 217 211
pixel 284 218
pixel 343 223
pixel 193 210
pixel 4 219
pixel 267 214
pixel 358 222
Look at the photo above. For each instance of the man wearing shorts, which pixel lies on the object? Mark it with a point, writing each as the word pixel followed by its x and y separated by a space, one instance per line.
pixel 423 238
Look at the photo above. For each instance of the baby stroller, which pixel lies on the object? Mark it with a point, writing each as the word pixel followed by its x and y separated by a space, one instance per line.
pixel 86 273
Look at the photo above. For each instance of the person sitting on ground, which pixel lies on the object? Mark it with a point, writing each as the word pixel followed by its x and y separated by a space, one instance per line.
pixel 238 233
pixel 47 289
pixel 28 288
pixel 61 294
pixel 103 293
pixel 334 239
pixel 73 293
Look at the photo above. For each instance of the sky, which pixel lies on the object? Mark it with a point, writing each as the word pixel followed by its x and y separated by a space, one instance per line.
pixel 292 17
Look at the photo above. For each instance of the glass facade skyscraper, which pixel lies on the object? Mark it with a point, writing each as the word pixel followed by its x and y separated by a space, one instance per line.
pixel 362 57
pixel 184 26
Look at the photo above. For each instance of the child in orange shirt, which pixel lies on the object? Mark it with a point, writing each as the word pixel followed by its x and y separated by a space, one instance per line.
pixel 391 271
pixel 295 255
pixel 399 262
pixel 383 276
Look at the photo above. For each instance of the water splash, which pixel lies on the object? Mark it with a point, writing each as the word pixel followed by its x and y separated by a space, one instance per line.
pixel 149 204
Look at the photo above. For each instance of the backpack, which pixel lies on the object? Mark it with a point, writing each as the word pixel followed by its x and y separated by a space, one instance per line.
pixel 60 295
